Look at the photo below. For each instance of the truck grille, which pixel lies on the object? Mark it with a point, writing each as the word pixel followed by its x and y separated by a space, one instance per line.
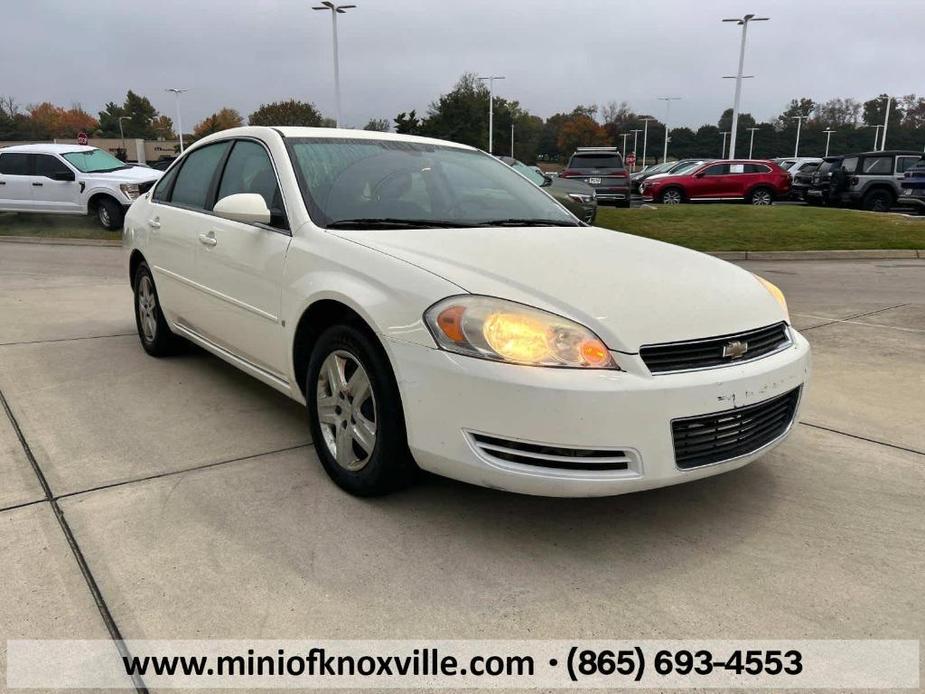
pixel 720 436
pixel 715 351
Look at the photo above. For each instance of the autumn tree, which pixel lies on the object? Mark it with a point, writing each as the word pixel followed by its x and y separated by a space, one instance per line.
pixel 581 131
pixel 291 112
pixel 218 121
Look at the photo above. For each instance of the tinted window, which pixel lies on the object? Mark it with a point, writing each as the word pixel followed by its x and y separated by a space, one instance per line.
pixel 786 163
pixel 878 165
pixel 828 165
pixel 162 190
pixel 14 164
pixel 249 170
pixel 596 161
pixel 47 165
pixel 808 167
pixel 906 163
pixel 756 168
pixel 850 164
pixel 716 170
pixel 195 177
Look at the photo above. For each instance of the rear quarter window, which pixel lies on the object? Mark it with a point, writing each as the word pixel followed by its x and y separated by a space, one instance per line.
pixel 14 164
pixel 877 165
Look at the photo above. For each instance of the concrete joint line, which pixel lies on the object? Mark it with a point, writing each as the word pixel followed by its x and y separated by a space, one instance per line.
pixel 864 438
pixel 851 318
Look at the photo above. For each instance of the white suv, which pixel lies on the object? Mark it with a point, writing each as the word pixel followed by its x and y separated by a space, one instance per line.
pixel 70 179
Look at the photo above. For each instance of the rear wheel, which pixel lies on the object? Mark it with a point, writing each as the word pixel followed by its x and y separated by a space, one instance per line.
pixel 355 414
pixel 878 201
pixel 761 196
pixel 109 213
pixel 671 196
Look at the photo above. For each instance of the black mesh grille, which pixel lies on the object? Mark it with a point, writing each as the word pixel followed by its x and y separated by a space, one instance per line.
pixel 714 351
pixel 725 435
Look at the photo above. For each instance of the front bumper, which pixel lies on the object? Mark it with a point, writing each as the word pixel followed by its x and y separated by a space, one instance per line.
pixel 911 201
pixel 449 398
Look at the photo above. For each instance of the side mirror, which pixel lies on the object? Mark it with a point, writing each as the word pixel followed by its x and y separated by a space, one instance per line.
pixel 699 174
pixel 547 180
pixel 63 176
pixel 248 208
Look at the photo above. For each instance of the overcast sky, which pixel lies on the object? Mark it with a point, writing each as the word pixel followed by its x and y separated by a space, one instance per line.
pixel 400 54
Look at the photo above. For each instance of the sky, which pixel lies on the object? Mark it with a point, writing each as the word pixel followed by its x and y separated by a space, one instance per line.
pixel 401 54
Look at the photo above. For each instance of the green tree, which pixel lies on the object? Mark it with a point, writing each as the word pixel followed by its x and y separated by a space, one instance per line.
pixel 220 120
pixel 408 123
pixel 875 111
pixel 292 112
pixel 378 124
pixel 746 120
pixel 141 116
pixel 460 115
pixel 797 107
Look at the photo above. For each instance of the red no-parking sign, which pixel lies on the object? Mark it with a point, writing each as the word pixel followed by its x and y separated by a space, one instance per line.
pixel 631 158
pixel 82 138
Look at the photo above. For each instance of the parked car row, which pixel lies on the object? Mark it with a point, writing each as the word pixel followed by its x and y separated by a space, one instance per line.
pixel 754 181
pixel 869 180
pixel 579 198
pixel 913 187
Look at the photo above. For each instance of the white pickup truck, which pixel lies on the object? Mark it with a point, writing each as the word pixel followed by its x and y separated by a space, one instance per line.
pixel 70 179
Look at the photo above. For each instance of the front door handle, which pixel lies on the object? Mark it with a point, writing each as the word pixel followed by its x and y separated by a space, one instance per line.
pixel 154 223
pixel 208 239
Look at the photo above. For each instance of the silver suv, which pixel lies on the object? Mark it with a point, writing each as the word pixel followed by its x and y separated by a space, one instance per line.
pixel 871 180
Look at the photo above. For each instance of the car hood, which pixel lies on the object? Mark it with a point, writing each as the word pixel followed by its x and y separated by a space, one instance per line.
pixel 630 290
pixel 135 174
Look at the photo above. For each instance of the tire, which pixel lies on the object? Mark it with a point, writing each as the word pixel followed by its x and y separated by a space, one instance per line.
pixel 671 196
pixel 355 414
pixel 878 200
pixel 153 331
pixel 625 203
pixel 761 196
pixel 109 213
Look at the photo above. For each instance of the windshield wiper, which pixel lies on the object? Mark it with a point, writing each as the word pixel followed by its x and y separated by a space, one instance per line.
pixel 396 223
pixel 527 222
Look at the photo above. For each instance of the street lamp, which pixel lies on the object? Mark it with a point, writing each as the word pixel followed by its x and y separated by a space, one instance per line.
pixel 799 120
pixel 743 22
pixel 876 134
pixel 886 122
pixel 176 93
pixel 667 100
pixel 645 138
pixel 491 108
pixel 828 136
pixel 121 132
pixel 635 143
pixel 722 154
pixel 751 141
pixel 624 136
pixel 335 10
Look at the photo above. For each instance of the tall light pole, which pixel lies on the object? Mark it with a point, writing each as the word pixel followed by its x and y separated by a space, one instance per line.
pixel 635 143
pixel 743 22
pixel 176 93
pixel 512 141
pixel 722 154
pixel 667 100
pixel 122 132
pixel 624 136
pixel 799 120
pixel 876 135
pixel 886 122
pixel 828 136
pixel 645 138
pixel 491 108
pixel 335 10
pixel 751 141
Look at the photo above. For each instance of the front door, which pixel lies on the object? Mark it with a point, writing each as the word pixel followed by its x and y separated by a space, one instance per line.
pixel 49 194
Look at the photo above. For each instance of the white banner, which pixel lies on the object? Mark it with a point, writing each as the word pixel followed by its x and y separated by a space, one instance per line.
pixel 645 664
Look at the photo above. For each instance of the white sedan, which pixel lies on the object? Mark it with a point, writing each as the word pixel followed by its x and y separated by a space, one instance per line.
pixel 433 309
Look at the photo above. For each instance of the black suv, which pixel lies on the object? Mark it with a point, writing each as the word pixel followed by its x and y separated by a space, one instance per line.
pixel 602 169
pixel 913 187
pixel 871 180
pixel 817 193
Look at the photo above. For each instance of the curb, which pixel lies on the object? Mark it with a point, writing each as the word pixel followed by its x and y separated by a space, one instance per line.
pixel 898 254
pixel 51 241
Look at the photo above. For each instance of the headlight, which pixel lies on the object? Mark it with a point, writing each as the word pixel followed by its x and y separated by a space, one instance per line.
pixel 500 330
pixel 581 197
pixel 775 291
pixel 130 190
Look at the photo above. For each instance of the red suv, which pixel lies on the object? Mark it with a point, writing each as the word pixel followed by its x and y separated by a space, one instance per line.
pixel 756 182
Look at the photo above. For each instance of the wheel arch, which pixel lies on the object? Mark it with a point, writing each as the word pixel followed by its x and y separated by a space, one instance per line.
pixel 94 200
pixel 674 186
pixel 135 259
pixel 761 186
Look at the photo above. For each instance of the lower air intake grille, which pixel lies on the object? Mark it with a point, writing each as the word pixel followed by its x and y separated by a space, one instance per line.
pixel 725 435
pixel 539 455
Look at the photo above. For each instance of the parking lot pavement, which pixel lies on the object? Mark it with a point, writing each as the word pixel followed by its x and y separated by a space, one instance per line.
pixel 201 510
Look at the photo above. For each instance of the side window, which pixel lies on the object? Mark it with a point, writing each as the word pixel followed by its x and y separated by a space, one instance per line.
pixel 195 178
pixel 716 170
pixel 849 164
pixel 47 165
pixel 903 164
pixel 756 169
pixel 249 170
pixel 14 164
pixel 737 168
pixel 878 165
pixel 162 189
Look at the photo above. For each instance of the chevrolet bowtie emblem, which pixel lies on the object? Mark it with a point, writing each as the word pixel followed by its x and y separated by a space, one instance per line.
pixel 735 349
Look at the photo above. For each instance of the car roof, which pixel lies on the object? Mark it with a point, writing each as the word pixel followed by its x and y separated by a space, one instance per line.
pixel 885 152
pixel 327 133
pixel 47 148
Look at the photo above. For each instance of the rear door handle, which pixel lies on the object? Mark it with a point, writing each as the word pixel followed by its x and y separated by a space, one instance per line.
pixel 208 239
pixel 154 223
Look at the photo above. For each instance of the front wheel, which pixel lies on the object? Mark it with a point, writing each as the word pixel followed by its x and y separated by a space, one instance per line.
pixel 760 196
pixel 671 196
pixel 355 414
pixel 878 201
pixel 110 214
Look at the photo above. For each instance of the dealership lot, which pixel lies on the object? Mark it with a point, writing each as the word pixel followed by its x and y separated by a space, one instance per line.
pixel 196 501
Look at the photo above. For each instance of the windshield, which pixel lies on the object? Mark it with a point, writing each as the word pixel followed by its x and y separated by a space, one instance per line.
pixel 361 183
pixel 529 172
pixel 94 161
pixel 684 168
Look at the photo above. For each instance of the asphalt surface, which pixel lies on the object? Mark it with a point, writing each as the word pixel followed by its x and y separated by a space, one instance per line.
pixel 190 497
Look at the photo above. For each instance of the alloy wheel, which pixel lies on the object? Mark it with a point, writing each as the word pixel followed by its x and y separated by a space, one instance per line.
pixel 346 410
pixel 147 308
pixel 761 197
pixel 104 215
pixel 671 197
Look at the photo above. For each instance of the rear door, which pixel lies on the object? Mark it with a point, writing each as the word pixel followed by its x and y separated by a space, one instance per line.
pixel 16 182
pixel 239 267
pixel 49 194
